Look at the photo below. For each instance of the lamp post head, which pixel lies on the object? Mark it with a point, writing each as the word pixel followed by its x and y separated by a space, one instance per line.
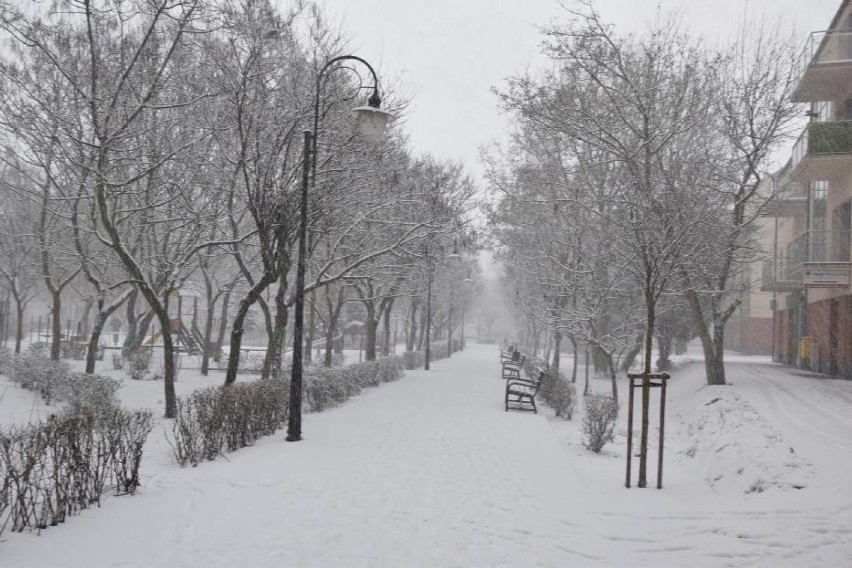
pixel 371 120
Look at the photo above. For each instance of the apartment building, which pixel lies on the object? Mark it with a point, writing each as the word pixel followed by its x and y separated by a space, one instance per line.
pixel 808 273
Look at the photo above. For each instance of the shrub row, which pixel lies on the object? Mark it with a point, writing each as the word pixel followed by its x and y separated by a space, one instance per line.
pixel 326 387
pixel 599 410
pixel 437 351
pixel 54 381
pixel 556 391
pixel 56 468
pixel 216 420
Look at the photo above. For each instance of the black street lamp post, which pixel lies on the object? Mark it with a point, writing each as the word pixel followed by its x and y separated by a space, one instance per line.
pixel 371 122
pixel 428 305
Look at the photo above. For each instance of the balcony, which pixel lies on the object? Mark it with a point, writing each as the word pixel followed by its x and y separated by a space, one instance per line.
pixel 828 73
pixel 818 247
pixel 777 276
pixel 812 248
pixel 823 152
pixel 791 201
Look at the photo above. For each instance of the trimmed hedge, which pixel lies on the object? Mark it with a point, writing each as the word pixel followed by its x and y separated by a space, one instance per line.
pixel 556 390
pixel 34 371
pixel 437 351
pixel 53 380
pixel 216 420
pixel 56 468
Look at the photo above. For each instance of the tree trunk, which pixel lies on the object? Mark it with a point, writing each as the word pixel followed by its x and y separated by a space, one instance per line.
pixel 95 337
pixel 56 325
pixel 133 341
pixel 237 326
pixel 132 323
pixel 275 343
pixel 206 345
pixel 370 325
pixel 557 342
pixel 168 360
pixel 282 313
pixel 330 332
pixel 632 353
pixel 411 336
pixel 664 349
pixel 450 331
pixel 223 326
pixel 88 303
pixel 646 392
pixel 612 376
pixel 386 334
pixel 19 325
pixel 714 362
pixel 422 335
pixel 309 332
pixel 714 365
pixel 272 327
pixel 574 367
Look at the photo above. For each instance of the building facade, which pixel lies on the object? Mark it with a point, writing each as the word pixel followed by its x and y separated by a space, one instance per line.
pixel 808 273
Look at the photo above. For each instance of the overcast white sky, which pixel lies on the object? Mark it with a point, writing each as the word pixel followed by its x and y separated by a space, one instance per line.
pixel 449 53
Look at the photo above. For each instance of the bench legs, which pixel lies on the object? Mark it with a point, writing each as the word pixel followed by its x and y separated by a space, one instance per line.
pixel 520 401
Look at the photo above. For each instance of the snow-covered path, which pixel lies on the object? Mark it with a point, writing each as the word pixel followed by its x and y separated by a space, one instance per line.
pixel 430 471
pixel 426 471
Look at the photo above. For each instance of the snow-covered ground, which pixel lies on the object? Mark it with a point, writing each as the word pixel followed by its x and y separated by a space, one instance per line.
pixel 430 471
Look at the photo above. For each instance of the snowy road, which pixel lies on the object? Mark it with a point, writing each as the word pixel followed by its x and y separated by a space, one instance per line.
pixel 429 471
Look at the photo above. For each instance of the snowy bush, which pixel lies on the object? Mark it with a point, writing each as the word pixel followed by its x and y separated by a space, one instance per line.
pixel 216 420
pixel 6 358
pixel 39 347
pixel 325 388
pixel 563 398
pixel 117 361
pixel 414 359
pixel 73 350
pixel 125 432
pixel 555 389
pixel 52 379
pixel 56 468
pixel 139 363
pixel 599 421
pixel 252 361
pixel 437 351
pixel 33 370
pixel 87 393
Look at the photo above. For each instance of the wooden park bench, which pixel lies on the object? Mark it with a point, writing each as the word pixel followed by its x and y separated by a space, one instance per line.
pixel 508 354
pixel 511 363
pixel 520 392
pixel 511 369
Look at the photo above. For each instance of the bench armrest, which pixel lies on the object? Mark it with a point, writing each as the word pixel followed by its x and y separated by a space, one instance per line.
pixel 521 382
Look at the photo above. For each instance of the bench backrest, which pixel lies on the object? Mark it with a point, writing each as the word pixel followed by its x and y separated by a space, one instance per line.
pixel 542 375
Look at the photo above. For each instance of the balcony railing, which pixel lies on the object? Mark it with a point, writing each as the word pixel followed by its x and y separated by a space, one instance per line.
pixel 827 63
pixel 778 277
pixel 829 46
pixel 819 246
pixel 823 138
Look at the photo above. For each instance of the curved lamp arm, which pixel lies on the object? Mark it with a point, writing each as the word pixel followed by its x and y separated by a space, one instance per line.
pixel 374 101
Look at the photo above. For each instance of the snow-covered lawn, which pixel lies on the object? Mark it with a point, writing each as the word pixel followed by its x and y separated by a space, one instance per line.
pixel 430 471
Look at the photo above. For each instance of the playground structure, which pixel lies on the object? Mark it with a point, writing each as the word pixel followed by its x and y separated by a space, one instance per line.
pixel 186 340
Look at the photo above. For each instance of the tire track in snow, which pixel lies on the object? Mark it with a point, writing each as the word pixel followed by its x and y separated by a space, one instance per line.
pixel 792 407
